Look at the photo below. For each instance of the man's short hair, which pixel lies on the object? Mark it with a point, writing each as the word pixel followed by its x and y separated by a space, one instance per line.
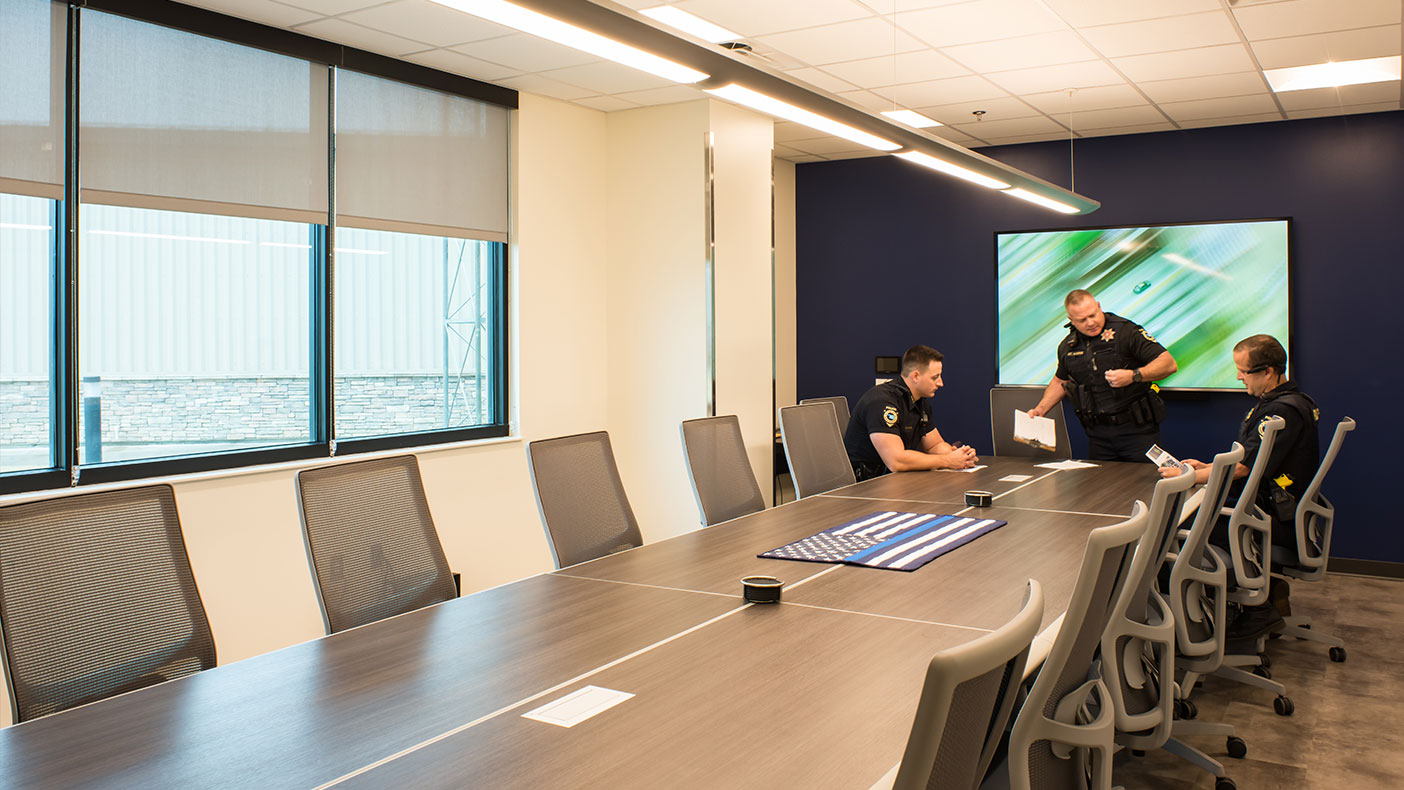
pixel 1076 296
pixel 1264 352
pixel 920 358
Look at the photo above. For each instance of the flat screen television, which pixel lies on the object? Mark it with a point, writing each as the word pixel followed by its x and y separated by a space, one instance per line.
pixel 1198 288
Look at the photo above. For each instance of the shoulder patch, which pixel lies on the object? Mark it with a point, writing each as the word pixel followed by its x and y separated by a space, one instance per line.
pixel 889 415
pixel 1262 426
pixel 1147 335
pixel 1316 415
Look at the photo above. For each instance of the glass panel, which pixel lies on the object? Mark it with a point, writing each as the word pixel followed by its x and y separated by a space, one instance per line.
pixel 194 333
pixel 413 333
pixel 26 335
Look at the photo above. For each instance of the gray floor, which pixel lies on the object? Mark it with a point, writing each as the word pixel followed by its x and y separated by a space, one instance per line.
pixel 1348 728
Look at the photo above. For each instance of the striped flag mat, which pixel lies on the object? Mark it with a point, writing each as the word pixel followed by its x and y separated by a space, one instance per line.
pixel 892 540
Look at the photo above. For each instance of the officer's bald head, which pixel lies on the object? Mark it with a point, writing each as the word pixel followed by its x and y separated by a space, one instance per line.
pixel 1076 297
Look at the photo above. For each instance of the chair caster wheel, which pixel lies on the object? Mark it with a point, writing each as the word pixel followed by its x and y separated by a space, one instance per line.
pixel 1283 705
pixel 1265 659
pixel 1188 710
pixel 1224 783
pixel 1236 746
pixel 1338 654
pixel 1263 672
pixel 1138 752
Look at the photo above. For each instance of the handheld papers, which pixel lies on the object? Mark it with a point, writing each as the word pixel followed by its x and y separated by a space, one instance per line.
pixel 1161 458
pixel 1037 432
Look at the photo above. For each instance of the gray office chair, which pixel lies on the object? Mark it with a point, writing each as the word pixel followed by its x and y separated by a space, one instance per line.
pixel 1057 740
pixel 96 599
pixel 965 704
pixel 1003 402
pixel 720 471
pixel 581 498
pixel 840 409
pixel 1315 517
pixel 814 449
pixel 371 541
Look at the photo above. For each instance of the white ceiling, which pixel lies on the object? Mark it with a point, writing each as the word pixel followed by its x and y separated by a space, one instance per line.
pixel 1132 65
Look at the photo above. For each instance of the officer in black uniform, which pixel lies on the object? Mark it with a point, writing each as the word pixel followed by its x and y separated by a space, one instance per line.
pixel 1106 366
pixel 891 428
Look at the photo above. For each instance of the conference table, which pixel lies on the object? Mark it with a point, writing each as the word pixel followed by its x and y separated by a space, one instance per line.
pixel 817 691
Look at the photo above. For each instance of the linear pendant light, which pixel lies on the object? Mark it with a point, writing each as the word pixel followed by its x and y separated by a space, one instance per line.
pixel 780 109
pixel 1024 194
pixel 542 26
pixel 941 165
pixel 675 17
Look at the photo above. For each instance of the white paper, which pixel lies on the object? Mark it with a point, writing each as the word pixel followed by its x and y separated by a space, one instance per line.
pixel 1066 465
pixel 1039 432
pixel 1161 458
pixel 974 468
pixel 577 706
pixel 1015 478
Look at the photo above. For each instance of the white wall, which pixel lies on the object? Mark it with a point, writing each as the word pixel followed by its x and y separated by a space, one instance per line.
pixel 785 333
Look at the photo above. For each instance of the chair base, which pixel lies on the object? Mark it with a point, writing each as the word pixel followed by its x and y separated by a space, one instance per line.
pixel 1299 627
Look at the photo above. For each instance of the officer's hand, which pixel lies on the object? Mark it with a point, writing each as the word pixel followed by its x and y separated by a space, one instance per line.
pixel 1120 378
pixel 1037 411
pixel 1170 471
pixel 1195 463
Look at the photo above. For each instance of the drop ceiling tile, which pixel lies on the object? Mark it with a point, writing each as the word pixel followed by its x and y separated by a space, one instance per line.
pixel 1042 137
pixel 1162 35
pixel 1122 116
pixel 1087 74
pixel 991 130
pixel 751 18
pixel 330 7
pixel 820 79
pixel 785 152
pixel 807 158
pixel 1305 17
pixel 1372 93
pixel 787 131
pixel 263 11
pixel 1186 63
pixel 987 20
pixel 1370 42
pixel 920 66
pixel 1201 109
pixel 1354 109
pixel 868 100
pixel 951 134
pixel 941 92
pixel 670 95
pixel 823 145
pixel 543 86
pixel 422 20
pixel 608 78
pixel 861 153
pixel 458 63
pixel 1212 87
pixel 844 41
pixel 1163 126
pixel 1233 120
pixel 1083 13
pixel 995 110
pixel 887 6
pixel 606 103
pixel 1044 49
pixel 362 37
pixel 526 53
pixel 1085 99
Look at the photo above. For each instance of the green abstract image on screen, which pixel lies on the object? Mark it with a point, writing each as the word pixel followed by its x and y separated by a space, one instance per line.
pixel 1197 288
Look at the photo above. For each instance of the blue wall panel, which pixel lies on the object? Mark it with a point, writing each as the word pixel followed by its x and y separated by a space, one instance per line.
pixel 890 254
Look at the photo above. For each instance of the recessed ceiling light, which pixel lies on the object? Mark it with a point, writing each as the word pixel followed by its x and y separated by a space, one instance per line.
pixel 1333 75
pixel 772 106
pixel 675 17
pixel 912 118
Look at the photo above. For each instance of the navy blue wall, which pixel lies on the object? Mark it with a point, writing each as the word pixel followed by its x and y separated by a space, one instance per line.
pixel 890 254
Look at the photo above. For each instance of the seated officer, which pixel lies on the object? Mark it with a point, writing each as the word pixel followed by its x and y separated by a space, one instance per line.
pixel 891 428
pixel 1296 453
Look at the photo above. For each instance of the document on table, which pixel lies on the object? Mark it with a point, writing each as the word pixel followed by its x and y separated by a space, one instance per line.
pixel 1066 465
pixel 1039 432
pixel 578 706
pixel 974 468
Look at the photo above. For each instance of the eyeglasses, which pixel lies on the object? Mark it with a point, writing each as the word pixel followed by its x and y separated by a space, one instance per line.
pixel 1251 371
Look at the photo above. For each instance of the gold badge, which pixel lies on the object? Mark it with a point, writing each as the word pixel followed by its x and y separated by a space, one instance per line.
pixel 1316 415
pixel 1109 335
pixel 1262 427
pixel 889 416
pixel 1147 335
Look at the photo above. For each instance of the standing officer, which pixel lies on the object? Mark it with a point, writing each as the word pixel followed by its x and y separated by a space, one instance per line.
pixel 1106 366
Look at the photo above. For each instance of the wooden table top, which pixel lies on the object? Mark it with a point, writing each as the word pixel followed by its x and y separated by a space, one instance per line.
pixel 435 697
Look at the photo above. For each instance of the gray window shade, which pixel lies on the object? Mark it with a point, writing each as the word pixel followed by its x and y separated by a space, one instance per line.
pixel 419 161
pixel 176 121
pixel 32 45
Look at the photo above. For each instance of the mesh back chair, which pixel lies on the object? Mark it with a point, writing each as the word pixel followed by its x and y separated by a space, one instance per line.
pixel 965 704
pixel 814 449
pixel 1315 516
pixel 96 599
pixel 1056 743
pixel 1003 402
pixel 840 409
pixel 371 541
pixel 581 498
pixel 719 469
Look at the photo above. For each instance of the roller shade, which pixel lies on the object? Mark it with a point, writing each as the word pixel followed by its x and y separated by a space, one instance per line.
pixel 32 48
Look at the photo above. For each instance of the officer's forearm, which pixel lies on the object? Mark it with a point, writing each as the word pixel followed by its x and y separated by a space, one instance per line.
pixel 1158 368
pixel 1052 394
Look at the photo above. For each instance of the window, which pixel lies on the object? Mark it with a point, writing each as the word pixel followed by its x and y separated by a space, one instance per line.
pixel 26 335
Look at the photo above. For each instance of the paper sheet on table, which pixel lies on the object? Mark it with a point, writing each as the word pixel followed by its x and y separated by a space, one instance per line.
pixel 1065 465
pixel 1038 432
pixel 974 468
pixel 1015 478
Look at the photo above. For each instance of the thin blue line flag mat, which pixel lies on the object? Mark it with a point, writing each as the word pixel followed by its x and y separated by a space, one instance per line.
pixel 892 540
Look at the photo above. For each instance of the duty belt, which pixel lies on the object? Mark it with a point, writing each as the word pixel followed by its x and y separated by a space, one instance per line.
pixel 1117 418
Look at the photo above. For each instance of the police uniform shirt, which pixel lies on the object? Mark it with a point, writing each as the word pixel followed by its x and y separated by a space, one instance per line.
pixel 1122 345
pixel 886 408
pixel 1296 449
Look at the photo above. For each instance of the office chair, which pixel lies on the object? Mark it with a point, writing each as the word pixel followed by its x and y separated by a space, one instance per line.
pixel 965 703
pixel 1314 519
pixel 1003 402
pixel 720 471
pixel 840 409
pixel 371 541
pixel 581 498
pixel 96 599
pixel 814 449
pixel 1056 741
